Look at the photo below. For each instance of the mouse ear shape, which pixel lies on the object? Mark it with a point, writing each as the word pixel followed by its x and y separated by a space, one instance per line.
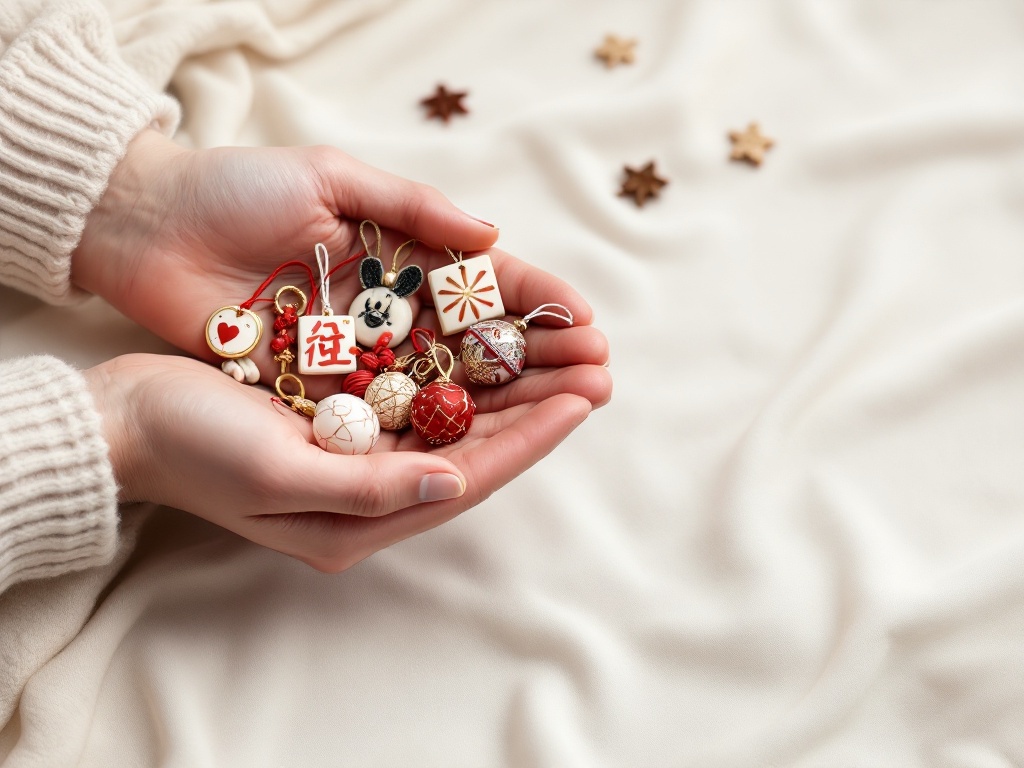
pixel 371 272
pixel 409 279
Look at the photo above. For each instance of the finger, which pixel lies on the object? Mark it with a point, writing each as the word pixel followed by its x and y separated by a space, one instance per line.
pixel 591 382
pixel 545 347
pixel 360 191
pixel 525 287
pixel 332 542
pixel 372 485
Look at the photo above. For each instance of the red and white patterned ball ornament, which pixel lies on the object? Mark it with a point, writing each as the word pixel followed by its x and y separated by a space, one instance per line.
pixel 442 411
pixel 494 351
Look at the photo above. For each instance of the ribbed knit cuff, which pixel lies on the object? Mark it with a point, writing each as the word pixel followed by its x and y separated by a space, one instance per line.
pixel 69 106
pixel 58 496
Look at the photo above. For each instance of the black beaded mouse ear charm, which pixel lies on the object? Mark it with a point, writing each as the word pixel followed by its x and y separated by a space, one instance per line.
pixel 494 351
pixel 382 305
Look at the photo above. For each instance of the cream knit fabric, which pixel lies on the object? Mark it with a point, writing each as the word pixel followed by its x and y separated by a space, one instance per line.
pixel 68 109
pixel 58 498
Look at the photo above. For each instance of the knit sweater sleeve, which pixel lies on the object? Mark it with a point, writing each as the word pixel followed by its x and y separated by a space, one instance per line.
pixel 69 106
pixel 58 496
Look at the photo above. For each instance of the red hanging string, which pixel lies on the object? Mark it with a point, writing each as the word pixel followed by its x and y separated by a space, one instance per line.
pixel 255 297
pixel 427 334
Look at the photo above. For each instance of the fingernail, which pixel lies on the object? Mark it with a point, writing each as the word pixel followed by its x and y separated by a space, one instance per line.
pixel 477 218
pixel 440 487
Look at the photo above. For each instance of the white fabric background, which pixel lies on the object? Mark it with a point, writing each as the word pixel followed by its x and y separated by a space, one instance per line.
pixel 796 535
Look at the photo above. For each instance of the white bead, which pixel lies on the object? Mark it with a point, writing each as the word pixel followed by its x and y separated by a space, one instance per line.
pixel 325 344
pixel 345 424
pixel 465 293
pixel 385 311
pixel 241 369
pixel 234 370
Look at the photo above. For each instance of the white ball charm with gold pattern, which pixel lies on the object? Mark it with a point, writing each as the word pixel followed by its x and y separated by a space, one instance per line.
pixel 390 396
pixel 345 424
pixel 494 351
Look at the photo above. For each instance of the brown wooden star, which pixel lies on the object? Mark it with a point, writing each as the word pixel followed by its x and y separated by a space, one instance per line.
pixel 749 145
pixel 641 184
pixel 444 103
pixel 616 50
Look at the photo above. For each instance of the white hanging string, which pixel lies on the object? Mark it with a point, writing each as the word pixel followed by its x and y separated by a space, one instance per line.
pixel 323 262
pixel 542 311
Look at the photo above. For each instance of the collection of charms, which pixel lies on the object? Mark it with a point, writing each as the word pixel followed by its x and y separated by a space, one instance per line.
pixel 388 392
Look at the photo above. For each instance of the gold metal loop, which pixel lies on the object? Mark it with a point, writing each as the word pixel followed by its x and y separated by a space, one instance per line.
pixel 456 259
pixel 421 370
pixel 403 362
pixel 290 377
pixel 299 308
pixel 442 373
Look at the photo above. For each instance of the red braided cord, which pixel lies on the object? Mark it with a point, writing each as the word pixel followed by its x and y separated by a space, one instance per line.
pixel 312 283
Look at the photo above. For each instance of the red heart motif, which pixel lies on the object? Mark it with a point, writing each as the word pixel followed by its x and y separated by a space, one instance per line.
pixel 227 332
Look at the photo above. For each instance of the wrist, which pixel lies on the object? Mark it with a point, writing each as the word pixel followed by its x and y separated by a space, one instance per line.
pixel 112 385
pixel 125 222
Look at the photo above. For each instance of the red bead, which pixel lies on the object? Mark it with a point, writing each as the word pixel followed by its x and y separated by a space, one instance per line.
pixel 281 343
pixel 357 382
pixel 442 412
pixel 286 319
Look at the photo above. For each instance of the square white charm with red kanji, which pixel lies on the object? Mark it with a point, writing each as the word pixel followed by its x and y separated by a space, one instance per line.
pixel 465 293
pixel 327 344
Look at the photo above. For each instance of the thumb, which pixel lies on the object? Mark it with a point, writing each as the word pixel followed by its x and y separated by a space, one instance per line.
pixel 361 191
pixel 376 484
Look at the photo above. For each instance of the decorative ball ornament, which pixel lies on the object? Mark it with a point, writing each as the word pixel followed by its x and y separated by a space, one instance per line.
pixel 442 411
pixel 390 395
pixel 345 424
pixel 494 351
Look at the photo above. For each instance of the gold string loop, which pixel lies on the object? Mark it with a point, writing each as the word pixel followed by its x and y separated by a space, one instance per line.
pixel 366 244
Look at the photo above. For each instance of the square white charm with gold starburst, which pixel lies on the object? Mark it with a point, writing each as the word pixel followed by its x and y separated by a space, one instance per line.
pixel 465 293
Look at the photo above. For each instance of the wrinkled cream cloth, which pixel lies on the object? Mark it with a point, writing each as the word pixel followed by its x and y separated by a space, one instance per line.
pixel 795 537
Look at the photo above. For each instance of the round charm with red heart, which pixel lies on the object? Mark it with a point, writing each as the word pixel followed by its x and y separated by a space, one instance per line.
pixel 233 332
pixel 442 412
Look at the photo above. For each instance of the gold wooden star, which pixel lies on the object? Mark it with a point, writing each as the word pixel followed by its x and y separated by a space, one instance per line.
pixel 641 184
pixel 444 103
pixel 749 145
pixel 616 50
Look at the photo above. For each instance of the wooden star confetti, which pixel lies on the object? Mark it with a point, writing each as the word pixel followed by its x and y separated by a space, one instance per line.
pixel 749 145
pixel 616 50
pixel 444 103
pixel 642 184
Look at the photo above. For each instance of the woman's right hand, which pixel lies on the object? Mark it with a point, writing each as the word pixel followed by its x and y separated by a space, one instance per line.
pixel 181 433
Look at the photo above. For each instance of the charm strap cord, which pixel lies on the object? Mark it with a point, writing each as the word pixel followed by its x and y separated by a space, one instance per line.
pixel 543 311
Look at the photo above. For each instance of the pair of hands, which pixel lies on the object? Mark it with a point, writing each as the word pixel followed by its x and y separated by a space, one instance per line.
pixel 179 233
